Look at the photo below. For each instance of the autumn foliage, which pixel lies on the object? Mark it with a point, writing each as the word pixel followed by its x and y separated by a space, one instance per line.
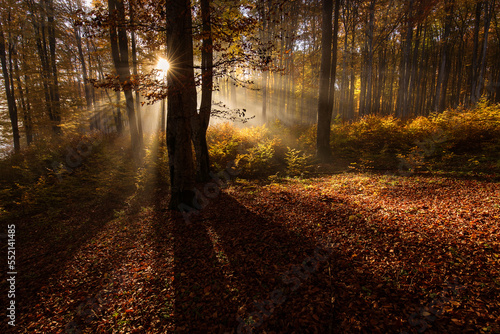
pixel 437 143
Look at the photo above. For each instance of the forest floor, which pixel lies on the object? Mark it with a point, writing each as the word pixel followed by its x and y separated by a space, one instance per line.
pixel 342 253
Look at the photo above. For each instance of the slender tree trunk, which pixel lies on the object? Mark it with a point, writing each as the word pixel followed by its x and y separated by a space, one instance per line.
pixel 353 77
pixel 265 59
pixel 303 90
pixel 487 19
pixel 24 105
pixel 9 92
pixel 137 105
pixel 412 95
pixel 28 115
pixel 441 83
pixel 118 115
pixel 81 58
pixel 344 81
pixel 323 150
pixel 333 67
pixel 162 122
pixel 200 123
pixel 381 81
pixel 422 75
pixel 402 100
pixel 369 63
pixel 119 51
pixel 475 68
pixel 55 99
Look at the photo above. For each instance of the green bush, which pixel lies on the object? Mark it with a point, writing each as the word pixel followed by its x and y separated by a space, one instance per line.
pixel 223 143
pixel 255 150
pixel 372 139
pixel 470 131
pixel 259 160
pixel 307 139
pixel 297 162
pixel 46 162
pixel 459 139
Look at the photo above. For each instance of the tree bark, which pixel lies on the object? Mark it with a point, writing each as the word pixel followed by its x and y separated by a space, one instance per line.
pixel 9 92
pixel 55 98
pixel 402 99
pixel 134 66
pixel 81 58
pixel 323 150
pixel 441 83
pixel 201 122
pixel 475 68
pixel 181 103
pixel 119 51
pixel 333 65
pixel 487 19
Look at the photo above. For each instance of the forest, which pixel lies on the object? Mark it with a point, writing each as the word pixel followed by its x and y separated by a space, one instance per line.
pixel 250 166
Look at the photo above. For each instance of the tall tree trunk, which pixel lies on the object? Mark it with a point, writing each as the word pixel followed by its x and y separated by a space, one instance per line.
pixel 9 91
pixel 423 75
pixel 26 108
pixel 350 103
pixel 265 78
pixel 344 81
pixel 181 103
pixel 265 60
pixel 333 67
pixel 162 115
pixel 323 150
pixel 369 62
pixel 55 99
pixel 475 68
pixel 487 19
pixel 28 116
pixel 119 51
pixel 381 81
pixel 81 58
pixel 134 66
pixel 201 122
pixel 118 115
pixel 443 67
pixel 402 99
pixel 412 95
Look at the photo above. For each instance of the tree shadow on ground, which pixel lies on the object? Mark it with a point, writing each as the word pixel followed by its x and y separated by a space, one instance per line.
pixel 50 235
pixel 228 261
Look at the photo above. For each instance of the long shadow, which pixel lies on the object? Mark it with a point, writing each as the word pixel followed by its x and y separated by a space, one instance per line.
pixel 387 299
pixel 226 259
pixel 44 244
pixel 274 268
pixel 240 267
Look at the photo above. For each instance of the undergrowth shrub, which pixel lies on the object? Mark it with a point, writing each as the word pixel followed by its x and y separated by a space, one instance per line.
pixel 25 174
pixel 307 139
pixel 467 139
pixel 297 162
pixel 373 138
pixel 459 139
pixel 260 159
pixel 470 131
pixel 254 150
pixel 223 143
